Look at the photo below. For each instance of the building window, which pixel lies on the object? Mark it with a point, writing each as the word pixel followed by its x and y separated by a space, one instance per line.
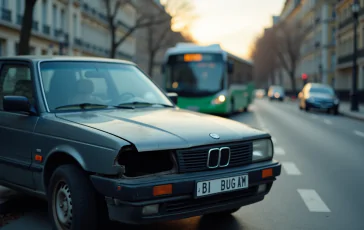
pixel 63 18
pixel 44 12
pixel 54 14
pixel 1 47
pixel 75 25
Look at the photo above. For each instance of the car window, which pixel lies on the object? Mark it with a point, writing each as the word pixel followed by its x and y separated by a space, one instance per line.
pixel 15 80
pixel 324 90
pixel 110 84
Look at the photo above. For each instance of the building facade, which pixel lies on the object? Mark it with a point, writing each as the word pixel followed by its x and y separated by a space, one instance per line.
pixel 345 49
pixel 318 32
pixel 78 27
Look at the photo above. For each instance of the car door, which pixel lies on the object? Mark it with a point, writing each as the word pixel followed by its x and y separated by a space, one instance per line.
pixel 16 129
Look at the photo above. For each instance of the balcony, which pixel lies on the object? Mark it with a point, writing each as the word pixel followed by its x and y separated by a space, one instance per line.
pixel 57 32
pixel 5 14
pixel 78 42
pixel 46 29
pixel 349 57
pixel 346 22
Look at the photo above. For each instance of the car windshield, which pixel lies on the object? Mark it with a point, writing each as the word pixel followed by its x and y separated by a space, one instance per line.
pixel 324 90
pixel 97 85
pixel 195 78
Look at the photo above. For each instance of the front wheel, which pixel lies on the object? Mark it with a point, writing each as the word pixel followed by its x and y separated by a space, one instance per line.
pixel 72 201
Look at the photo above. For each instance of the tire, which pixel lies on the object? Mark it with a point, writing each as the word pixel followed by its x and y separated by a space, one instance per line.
pixel 71 185
pixel 336 111
pixel 232 106
pixel 307 108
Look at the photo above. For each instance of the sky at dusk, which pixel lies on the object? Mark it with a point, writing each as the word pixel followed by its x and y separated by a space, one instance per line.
pixel 233 23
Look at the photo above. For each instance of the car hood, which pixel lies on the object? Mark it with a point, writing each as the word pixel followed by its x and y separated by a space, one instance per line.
pixel 166 128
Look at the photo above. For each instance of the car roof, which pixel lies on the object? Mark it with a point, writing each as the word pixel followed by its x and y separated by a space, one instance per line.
pixel 36 58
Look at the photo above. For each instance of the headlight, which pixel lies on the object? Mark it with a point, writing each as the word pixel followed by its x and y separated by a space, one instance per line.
pixel 219 99
pixel 262 150
pixel 311 99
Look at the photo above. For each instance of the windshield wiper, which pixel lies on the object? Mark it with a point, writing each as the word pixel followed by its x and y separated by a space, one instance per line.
pixel 134 103
pixel 84 105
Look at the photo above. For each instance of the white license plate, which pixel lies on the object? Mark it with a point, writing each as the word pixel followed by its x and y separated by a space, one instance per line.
pixel 204 188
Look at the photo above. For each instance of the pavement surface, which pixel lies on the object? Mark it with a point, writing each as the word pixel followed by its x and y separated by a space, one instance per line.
pixel 320 186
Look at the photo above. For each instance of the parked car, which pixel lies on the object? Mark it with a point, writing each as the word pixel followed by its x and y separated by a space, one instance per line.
pixel 276 92
pixel 318 96
pixel 259 93
pixel 99 140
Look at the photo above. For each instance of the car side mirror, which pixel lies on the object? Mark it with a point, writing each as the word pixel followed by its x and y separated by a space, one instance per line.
pixel 17 104
pixel 173 97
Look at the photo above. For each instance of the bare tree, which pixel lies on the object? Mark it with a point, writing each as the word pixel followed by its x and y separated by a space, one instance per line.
pixel 288 40
pixel 144 19
pixel 26 28
pixel 264 57
pixel 162 36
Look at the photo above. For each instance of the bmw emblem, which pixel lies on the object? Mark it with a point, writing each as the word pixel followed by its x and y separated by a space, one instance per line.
pixel 214 135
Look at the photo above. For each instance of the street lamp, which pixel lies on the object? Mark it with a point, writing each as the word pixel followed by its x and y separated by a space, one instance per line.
pixel 354 95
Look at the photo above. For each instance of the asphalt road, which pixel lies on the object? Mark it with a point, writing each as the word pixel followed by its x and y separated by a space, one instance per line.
pixel 320 186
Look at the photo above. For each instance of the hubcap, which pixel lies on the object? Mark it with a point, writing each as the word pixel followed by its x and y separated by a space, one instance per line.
pixel 62 206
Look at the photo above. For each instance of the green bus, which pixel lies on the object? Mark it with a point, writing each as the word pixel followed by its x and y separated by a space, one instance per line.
pixel 208 79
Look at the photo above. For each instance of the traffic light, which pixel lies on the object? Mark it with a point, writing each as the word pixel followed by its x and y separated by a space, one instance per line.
pixel 304 78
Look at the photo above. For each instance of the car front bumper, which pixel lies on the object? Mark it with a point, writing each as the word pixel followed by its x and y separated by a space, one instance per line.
pixel 318 105
pixel 128 199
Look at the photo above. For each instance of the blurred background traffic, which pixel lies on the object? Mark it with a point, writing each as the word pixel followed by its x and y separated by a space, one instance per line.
pixel 294 68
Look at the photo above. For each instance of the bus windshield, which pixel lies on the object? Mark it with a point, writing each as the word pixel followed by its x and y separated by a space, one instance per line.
pixel 200 78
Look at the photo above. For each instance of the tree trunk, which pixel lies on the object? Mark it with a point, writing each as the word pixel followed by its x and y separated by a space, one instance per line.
pixel 26 28
pixel 272 78
pixel 293 82
pixel 151 64
pixel 113 47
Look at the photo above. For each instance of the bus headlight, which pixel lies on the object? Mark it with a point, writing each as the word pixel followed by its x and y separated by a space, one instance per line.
pixel 219 99
pixel 262 150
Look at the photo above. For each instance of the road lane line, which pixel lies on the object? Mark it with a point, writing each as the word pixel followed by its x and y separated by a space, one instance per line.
pixel 291 168
pixel 328 122
pixel 279 151
pixel 313 201
pixel 360 134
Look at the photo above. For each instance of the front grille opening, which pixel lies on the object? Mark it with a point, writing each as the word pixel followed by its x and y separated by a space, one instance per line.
pixel 145 163
pixel 196 159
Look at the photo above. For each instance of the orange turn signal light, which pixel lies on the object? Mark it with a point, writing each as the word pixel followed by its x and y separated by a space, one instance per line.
pixel 160 190
pixel 38 158
pixel 267 173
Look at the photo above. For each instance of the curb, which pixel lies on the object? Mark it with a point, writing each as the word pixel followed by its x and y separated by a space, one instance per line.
pixel 353 116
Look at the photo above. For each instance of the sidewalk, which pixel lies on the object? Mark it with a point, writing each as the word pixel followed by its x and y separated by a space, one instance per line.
pixel 344 109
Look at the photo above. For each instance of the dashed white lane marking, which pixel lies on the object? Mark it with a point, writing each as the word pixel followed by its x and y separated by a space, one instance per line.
pixel 260 122
pixel 313 201
pixel 279 151
pixel 328 122
pixel 360 134
pixel 291 169
pixel 274 140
